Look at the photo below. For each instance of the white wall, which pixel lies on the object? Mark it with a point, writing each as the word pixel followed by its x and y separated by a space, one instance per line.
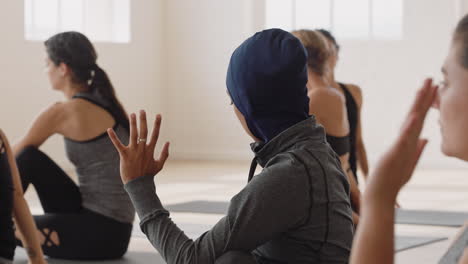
pixel 199 39
pixel 135 69
pixel 390 73
pixel 177 61
pixel 201 35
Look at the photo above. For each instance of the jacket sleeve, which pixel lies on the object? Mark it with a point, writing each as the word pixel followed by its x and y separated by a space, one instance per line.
pixel 264 209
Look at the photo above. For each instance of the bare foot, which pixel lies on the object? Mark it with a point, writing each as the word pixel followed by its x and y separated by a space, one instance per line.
pixel 49 237
pixel 55 238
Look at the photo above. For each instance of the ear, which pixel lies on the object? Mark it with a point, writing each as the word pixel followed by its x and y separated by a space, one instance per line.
pixel 63 69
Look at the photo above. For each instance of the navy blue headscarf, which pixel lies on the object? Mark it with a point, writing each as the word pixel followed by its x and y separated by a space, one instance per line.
pixel 266 80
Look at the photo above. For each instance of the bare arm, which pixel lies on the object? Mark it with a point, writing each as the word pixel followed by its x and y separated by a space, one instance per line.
pixel 330 112
pixel 374 238
pixel 49 122
pixel 22 214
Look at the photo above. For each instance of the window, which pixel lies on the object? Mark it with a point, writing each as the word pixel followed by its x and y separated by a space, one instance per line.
pixel 348 19
pixel 100 20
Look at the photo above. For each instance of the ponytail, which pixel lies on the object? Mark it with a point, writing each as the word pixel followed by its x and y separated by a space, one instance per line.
pixel 101 84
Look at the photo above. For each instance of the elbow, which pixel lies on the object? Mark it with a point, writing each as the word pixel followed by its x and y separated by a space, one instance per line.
pixel 25 155
pixel 21 149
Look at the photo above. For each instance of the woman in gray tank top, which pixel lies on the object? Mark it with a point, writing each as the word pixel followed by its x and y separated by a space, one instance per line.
pixel 79 220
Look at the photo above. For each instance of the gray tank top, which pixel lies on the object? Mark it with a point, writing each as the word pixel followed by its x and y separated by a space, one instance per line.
pixel 97 165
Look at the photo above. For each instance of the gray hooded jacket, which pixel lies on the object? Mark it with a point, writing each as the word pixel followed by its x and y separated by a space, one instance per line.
pixel 297 210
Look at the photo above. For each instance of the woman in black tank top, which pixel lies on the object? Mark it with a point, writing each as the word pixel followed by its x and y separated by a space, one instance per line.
pixel 353 119
pixel 328 105
pixel 353 95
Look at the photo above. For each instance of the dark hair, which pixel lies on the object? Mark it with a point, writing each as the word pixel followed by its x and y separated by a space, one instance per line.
pixel 77 52
pixel 461 36
pixel 317 53
pixel 330 37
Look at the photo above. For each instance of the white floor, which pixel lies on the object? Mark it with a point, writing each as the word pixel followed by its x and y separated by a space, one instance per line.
pixel 184 181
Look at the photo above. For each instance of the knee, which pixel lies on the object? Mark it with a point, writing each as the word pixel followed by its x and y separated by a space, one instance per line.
pixel 236 257
pixel 27 151
pixel 27 159
pixel 28 155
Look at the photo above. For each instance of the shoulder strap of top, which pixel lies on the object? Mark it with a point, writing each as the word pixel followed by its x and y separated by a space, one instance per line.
pixel 339 144
pixel 350 102
pixel 96 100
pixel 346 90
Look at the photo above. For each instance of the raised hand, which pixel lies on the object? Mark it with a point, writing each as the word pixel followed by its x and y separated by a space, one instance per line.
pixel 137 159
pixel 397 165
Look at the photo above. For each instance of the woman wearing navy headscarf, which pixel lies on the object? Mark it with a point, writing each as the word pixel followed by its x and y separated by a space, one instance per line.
pixel 296 210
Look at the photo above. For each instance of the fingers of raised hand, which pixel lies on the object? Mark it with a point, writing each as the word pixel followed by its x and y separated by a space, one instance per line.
pixel 163 156
pixel 409 132
pixel 133 131
pixel 413 125
pixel 116 141
pixel 424 99
pixel 155 133
pixel 412 160
pixel 421 145
pixel 164 153
pixel 143 129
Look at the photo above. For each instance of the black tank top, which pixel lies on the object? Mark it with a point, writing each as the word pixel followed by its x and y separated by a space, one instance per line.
pixel 352 109
pixel 339 144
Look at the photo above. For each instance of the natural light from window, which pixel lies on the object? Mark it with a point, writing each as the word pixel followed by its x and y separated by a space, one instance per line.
pixel 348 19
pixel 100 20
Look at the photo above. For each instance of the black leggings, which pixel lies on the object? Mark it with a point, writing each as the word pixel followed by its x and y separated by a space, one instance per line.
pixel 82 234
pixel 7 235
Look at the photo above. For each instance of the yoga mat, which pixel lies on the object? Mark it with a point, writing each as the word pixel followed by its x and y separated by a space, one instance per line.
pixel 193 231
pixel 201 207
pixel 133 257
pixel 401 242
pixel 455 252
pixel 434 218
pixel 403 216
pixel 408 242
pixel 208 207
